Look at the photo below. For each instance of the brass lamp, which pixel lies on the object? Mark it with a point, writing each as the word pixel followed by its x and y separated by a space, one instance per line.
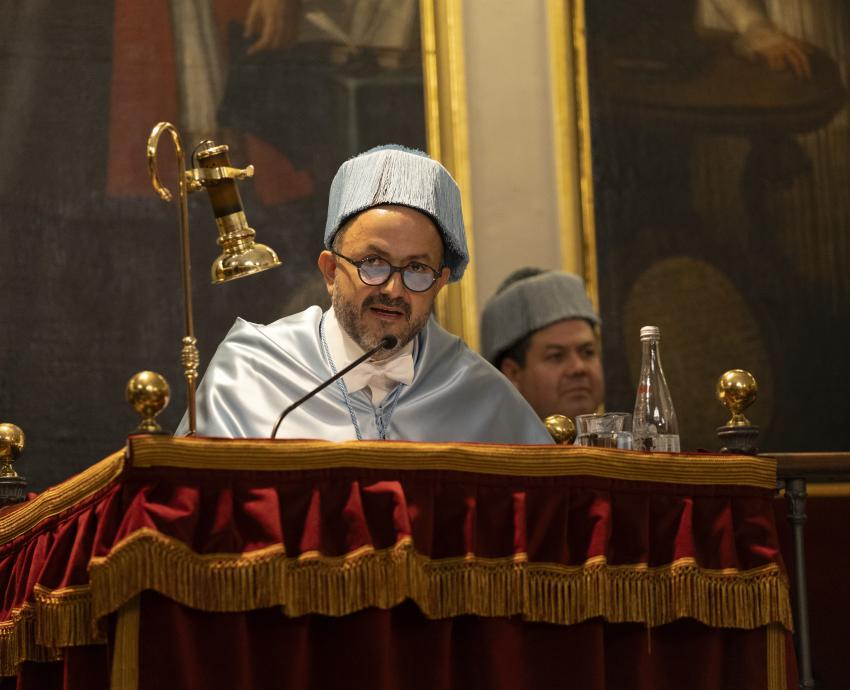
pixel 241 256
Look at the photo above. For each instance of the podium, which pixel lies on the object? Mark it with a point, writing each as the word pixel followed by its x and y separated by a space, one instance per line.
pixel 206 563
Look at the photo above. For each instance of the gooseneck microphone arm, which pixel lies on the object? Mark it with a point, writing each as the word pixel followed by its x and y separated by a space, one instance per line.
pixel 388 342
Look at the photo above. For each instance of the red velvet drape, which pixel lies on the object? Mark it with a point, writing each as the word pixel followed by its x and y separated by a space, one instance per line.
pixel 506 534
pixel 400 649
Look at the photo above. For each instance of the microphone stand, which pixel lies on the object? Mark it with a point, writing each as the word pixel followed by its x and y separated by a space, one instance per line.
pixel 388 342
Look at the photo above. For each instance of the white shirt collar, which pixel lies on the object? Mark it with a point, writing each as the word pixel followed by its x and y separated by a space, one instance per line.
pixel 369 375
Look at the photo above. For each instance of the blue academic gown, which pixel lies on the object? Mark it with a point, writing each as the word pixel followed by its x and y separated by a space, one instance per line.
pixel 258 371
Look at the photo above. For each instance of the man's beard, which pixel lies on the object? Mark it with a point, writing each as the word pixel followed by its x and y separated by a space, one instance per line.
pixel 352 321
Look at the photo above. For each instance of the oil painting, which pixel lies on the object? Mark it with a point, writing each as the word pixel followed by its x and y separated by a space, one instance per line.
pixel 720 172
pixel 90 260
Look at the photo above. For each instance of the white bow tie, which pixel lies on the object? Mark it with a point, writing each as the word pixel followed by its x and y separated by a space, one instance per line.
pixel 399 369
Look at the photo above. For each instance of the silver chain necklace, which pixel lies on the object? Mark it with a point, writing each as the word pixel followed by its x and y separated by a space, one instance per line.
pixel 340 382
pixel 392 398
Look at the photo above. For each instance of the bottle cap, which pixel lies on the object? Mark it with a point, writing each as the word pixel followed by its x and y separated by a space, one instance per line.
pixel 650 333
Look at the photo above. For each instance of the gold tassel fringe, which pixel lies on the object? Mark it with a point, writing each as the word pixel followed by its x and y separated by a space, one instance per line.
pixel 63 617
pixel 18 642
pixel 336 586
pixel 56 619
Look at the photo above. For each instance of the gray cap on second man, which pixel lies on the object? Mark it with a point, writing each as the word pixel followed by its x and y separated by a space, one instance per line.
pixel 397 175
pixel 528 300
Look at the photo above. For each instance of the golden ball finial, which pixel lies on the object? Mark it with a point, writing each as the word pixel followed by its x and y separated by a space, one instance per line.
pixel 737 390
pixel 561 428
pixel 12 442
pixel 149 394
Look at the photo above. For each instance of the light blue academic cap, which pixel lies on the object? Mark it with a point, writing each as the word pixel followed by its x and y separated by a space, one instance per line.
pixel 394 174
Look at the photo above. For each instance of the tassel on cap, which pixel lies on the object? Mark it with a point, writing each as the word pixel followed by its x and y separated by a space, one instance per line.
pixel 394 174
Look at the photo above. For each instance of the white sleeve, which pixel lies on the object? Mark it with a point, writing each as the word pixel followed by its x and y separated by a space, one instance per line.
pixel 743 15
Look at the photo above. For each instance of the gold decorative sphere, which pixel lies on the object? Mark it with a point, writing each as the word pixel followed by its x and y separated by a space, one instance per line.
pixel 12 442
pixel 737 390
pixel 148 394
pixel 561 428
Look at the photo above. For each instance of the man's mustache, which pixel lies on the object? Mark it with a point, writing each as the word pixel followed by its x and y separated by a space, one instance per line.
pixel 384 301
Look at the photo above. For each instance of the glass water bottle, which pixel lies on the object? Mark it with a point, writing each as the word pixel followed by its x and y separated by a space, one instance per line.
pixel 654 424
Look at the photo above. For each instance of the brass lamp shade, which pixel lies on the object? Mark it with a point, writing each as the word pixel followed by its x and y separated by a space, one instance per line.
pixel 240 256
pixel 237 263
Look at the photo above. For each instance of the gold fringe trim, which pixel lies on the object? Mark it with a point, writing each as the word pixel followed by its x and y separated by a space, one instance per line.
pixel 61 617
pixel 56 618
pixel 61 497
pixel 777 673
pixel 337 586
pixel 18 642
pixel 125 658
pixel 521 461
pixel 209 582
pixel 655 596
pixel 64 617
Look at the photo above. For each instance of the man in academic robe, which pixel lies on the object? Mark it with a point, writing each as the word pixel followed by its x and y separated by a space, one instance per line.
pixel 542 332
pixel 394 238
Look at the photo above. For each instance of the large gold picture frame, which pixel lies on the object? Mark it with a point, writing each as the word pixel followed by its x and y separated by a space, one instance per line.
pixel 448 141
pixel 571 123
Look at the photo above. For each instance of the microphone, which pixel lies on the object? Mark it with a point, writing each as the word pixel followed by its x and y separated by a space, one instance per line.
pixel 388 342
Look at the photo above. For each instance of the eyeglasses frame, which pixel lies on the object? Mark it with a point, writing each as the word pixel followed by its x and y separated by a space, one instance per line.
pixel 393 269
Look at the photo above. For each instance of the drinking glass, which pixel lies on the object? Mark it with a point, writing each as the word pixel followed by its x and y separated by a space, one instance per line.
pixel 607 430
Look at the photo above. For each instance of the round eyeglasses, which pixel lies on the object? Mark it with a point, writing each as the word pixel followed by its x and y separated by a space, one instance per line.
pixel 374 271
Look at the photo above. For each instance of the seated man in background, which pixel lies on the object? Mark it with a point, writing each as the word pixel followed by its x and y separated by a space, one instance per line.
pixel 541 331
pixel 394 236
